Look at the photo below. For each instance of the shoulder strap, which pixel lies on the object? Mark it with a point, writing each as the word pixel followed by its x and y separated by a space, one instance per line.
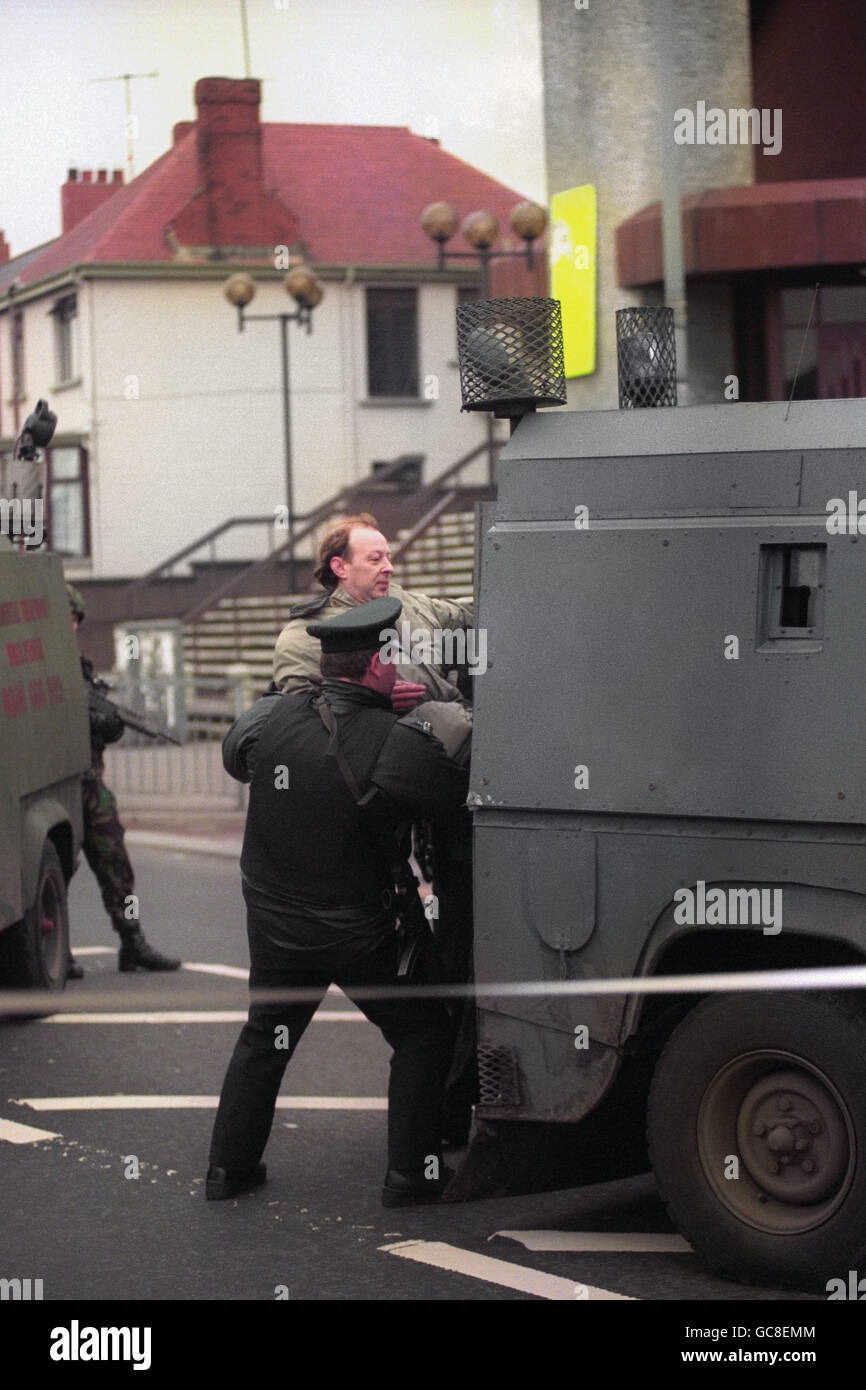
pixel 326 715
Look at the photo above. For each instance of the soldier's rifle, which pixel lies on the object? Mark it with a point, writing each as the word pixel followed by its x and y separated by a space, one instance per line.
pixel 103 705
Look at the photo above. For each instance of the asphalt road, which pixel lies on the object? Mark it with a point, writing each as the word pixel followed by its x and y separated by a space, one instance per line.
pixel 84 1224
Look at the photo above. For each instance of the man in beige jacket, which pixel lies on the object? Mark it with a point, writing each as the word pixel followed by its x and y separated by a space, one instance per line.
pixel 354 566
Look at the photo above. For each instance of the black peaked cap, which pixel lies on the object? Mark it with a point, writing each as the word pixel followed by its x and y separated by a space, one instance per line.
pixel 360 628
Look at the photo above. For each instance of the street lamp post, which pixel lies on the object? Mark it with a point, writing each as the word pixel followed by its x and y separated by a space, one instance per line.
pixel 440 221
pixel 307 293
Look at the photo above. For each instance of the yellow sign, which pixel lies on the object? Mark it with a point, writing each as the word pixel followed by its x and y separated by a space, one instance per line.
pixel 572 256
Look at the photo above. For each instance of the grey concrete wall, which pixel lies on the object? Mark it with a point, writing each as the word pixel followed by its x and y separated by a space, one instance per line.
pixel 602 127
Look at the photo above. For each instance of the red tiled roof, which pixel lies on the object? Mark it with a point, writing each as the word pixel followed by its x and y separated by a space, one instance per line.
pixel 354 194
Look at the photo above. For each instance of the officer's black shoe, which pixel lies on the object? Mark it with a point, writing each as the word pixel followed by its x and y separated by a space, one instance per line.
pixel 73 970
pixel 413 1189
pixel 137 954
pixel 221 1183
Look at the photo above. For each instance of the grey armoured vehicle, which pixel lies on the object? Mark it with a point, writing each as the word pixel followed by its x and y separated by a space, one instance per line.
pixel 44 748
pixel 668 778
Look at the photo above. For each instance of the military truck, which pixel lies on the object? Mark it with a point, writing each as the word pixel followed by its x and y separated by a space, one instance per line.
pixel 669 778
pixel 44 748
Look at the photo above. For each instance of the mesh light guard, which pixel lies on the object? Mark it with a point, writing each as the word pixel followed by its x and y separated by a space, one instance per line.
pixel 646 357
pixel 511 355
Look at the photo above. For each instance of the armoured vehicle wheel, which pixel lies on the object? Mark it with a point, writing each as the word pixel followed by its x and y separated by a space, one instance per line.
pixel 757 1135
pixel 35 951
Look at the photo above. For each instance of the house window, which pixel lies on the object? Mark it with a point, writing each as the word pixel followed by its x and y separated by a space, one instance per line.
pixel 392 342
pixel 17 329
pixel 67 519
pixel 64 313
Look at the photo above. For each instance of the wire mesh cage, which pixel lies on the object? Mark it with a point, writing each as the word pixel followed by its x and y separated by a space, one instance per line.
pixel 646 354
pixel 511 355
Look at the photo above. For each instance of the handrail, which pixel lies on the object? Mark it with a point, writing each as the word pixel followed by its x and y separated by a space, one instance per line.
pixel 214 597
pixel 210 535
pixel 311 520
pixel 426 521
pixel 330 504
pixel 462 462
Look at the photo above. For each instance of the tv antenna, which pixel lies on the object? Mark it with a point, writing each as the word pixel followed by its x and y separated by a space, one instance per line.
pixel 246 37
pixel 131 122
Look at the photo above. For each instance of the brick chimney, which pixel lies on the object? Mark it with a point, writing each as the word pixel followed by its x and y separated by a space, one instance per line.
pixel 81 194
pixel 232 207
pixel 4 249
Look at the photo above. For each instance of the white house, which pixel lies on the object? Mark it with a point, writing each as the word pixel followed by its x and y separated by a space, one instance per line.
pixel 169 419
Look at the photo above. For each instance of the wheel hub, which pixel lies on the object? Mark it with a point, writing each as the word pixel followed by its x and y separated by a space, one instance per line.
pixel 788 1127
pixel 792 1137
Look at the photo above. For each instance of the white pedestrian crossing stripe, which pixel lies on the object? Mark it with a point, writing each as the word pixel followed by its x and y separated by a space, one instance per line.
pixel 196 1016
pixel 643 1242
pixel 510 1276
pixel 15 1133
pixel 121 1102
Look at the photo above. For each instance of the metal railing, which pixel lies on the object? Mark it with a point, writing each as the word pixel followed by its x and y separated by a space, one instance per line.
pixel 425 501
pixel 146 774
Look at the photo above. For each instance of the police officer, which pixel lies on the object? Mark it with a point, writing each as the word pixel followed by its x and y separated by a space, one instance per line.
pixel 103 844
pixel 354 567
pixel 318 889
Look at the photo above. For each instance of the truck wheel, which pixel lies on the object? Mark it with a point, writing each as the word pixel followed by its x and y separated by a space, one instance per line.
pixel 35 951
pixel 757 1135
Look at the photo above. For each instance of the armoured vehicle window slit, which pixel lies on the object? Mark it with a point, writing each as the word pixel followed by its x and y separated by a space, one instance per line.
pixel 791 597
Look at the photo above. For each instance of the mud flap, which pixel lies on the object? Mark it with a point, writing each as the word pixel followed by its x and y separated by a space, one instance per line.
pixel 506 1158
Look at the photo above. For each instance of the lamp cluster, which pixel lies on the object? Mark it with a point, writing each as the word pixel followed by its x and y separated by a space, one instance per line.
pixel 481 229
pixel 300 283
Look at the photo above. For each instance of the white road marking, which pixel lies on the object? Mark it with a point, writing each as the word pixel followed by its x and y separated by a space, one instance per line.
pixel 23 1134
pixel 94 951
pixel 510 1276
pixel 196 1016
pixel 231 972
pixel 121 1102
pixel 644 1242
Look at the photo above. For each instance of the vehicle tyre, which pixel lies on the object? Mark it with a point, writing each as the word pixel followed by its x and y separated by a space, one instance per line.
pixel 35 951
pixel 757 1135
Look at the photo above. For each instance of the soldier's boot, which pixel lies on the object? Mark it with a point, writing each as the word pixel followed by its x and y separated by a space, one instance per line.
pixel 73 970
pixel 136 953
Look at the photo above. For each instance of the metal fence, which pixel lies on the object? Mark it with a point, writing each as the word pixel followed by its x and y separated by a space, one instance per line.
pixel 146 774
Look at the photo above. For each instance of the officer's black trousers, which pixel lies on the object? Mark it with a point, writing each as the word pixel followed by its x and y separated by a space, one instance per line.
pixel 419 1031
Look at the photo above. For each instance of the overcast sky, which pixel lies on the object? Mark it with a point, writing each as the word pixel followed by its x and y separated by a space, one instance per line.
pixel 468 71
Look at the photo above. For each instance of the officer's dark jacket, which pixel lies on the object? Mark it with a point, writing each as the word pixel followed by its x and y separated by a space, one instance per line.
pixel 306 850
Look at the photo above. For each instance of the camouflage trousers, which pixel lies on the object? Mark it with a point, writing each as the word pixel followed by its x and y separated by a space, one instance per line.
pixel 105 851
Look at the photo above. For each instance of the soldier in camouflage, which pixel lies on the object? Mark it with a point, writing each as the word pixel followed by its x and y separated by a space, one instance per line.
pixel 103 844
